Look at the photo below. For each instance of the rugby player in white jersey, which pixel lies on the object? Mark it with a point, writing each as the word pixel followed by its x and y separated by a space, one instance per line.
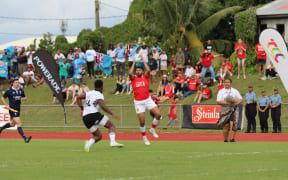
pixel 92 117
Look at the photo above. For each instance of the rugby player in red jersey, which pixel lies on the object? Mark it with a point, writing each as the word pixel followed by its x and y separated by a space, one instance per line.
pixel 142 100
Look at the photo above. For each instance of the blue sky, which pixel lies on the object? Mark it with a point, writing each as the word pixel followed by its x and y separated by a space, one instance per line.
pixel 55 9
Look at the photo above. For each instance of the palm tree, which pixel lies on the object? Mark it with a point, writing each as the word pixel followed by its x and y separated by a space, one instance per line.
pixel 192 19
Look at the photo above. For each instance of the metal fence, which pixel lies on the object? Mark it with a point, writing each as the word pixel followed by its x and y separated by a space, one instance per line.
pixel 52 116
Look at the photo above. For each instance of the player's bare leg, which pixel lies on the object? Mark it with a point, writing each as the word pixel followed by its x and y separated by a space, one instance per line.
pixel 156 120
pixel 141 117
pixel 97 136
pixel 111 129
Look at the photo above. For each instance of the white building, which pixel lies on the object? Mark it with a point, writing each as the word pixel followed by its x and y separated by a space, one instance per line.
pixel 274 15
pixel 27 41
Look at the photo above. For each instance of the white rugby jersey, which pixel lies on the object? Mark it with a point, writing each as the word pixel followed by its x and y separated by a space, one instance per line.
pixel 91 102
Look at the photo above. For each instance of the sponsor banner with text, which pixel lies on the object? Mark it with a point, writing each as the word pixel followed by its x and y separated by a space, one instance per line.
pixel 204 116
pixel 5 117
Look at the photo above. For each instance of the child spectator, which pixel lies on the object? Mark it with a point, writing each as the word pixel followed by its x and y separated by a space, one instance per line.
pixel 198 68
pixel 64 93
pixel 119 84
pixel 161 86
pixel 173 113
pixel 152 63
pixel 156 56
pixel 11 76
pixel 169 92
pixel 21 80
pixel 173 66
pixel 63 71
pixel 163 63
pixel 220 84
pixel 203 94
pixel 127 86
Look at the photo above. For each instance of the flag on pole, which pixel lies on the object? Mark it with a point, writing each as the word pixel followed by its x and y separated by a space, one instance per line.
pixel 276 50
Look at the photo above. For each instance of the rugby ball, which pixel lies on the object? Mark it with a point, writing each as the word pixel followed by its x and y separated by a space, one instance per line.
pixel 137 58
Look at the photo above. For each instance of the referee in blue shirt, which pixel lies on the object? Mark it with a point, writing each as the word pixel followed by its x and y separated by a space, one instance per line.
pixel 250 111
pixel 275 104
pixel 263 111
pixel 15 96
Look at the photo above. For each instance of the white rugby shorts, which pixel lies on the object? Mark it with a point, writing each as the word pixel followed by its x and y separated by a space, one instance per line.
pixel 141 106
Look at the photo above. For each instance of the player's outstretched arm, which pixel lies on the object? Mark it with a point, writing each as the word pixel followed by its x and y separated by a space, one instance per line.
pixel 107 110
pixel 147 68
pixel 131 74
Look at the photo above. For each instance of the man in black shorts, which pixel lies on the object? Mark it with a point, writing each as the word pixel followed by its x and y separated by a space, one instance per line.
pixel 15 96
pixel 92 117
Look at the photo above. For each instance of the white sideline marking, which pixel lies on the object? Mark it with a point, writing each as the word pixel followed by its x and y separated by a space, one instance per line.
pixel 191 174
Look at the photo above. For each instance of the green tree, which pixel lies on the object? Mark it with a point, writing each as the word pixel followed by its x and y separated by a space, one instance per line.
pixel 47 42
pixel 87 37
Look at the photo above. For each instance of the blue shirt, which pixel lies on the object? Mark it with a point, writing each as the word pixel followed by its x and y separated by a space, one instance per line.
pixel 158 49
pixel 77 65
pixel 249 97
pixel 152 63
pixel 263 101
pixel 275 99
pixel 120 53
pixel 82 55
pixel 14 96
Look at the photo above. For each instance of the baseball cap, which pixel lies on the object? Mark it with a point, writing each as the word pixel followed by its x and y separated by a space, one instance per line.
pixel 263 91
pixel 275 89
pixel 164 76
pixel 205 51
pixel 250 86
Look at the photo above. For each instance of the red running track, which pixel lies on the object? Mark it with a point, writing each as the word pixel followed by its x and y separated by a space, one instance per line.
pixel 164 136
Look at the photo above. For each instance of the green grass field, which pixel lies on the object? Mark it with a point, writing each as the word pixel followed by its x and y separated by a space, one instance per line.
pixel 65 159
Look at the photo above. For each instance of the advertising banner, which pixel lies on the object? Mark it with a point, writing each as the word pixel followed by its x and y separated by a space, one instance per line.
pixel 5 117
pixel 276 50
pixel 204 116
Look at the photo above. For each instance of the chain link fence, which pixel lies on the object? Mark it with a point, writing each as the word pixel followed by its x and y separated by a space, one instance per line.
pixel 52 116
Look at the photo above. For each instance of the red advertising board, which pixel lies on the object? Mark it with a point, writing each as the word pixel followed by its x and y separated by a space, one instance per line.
pixel 205 114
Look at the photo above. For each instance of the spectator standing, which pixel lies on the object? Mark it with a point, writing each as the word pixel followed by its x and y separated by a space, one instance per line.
pixel 15 62
pixel 228 99
pixel 240 49
pixel 78 64
pixel 173 66
pixel 173 118
pixel 70 59
pixel 112 53
pixel 275 104
pixel 144 52
pixel 156 56
pixel 152 63
pixel 263 111
pixel 91 60
pixel 59 56
pixel 6 57
pixel 208 45
pixel 64 66
pixel 207 65
pixel 261 58
pixel 131 54
pixel 120 60
pixel 180 60
pixel 163 63
pixel 29 55
pixel 250 109
pixel 22 61
pixel 155 45
pixel 187 56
